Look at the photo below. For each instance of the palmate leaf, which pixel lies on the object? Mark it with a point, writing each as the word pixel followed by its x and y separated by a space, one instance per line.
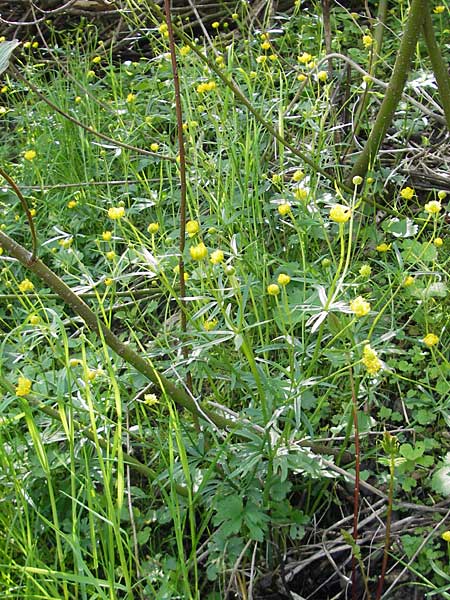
pixel 6 49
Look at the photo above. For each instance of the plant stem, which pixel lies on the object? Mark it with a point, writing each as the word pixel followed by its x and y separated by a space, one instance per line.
pixel 395 88
pixel 439 67
pixel 357 478
pixel 387 538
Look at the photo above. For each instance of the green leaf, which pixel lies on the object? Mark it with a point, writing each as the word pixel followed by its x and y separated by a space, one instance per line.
pixel 411 453
pixel 441 478
pixel 402 228
pixel 6 49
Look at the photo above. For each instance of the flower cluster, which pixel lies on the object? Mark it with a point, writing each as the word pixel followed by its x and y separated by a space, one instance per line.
pixel 370 360
pixel 26 286
pixel 23 387
pixel 360 307
pixel 431 339
pixel 207 86
pixel 116 212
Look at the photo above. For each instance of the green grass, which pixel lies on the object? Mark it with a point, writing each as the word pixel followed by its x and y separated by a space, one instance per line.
pixel 76 520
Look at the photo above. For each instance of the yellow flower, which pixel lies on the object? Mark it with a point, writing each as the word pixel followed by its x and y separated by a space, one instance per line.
pixel 77 99
pixel 217 257
pixel 192 227
pixel 163 30
pixel 322 76
pixel 96 60
pixel 184 50
pixel 442 195
pixel 72 204
pixel 130 98
pixel 304 58
pixel 370 360
pixel 74 362
pixel 35 45
pixel 273 289
pixel 430 340
pixel 1 250
pixel 154 147
pixel 365 271
pixel 383 247
pixel 340 213
pixel 302 77
pixel 66 242
pixel 273 57
pixel 409 280
pixel 150 399
pixel 116 212
pixel 438 242
pixel 261 59
pixel 29 155
pixel 367 40
pixel 360 306
pixel 153 228
pixel 235 16
pixel 107 236
pixel 23 387
pixel 439 9
pixel 433 207
pixel 35 319
pixel 198 252
pixel 109 281
pixel 206 87
pixel 90 74
pixel 265 45
pixel 215 25
pixel 357 180
pixel 407 193
pixel 446 536
pixel 33 212
pixel 209 324
pixel 284 209
pixel 283 279
pixel 301 193
pixel 26 286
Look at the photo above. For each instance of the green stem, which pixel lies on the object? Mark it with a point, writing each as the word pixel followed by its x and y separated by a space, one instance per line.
pixel 387 538
pixel 395 88
pixel 439 67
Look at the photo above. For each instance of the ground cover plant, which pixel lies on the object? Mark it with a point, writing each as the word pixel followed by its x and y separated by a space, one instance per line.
pixel 233 384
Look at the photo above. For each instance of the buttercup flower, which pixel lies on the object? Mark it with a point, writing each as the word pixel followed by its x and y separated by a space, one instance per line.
pixel 438 242
pixel 283 279
pixel 340 214
pixel 367 40
pixel 209 324
pixel 430 340
pixel 23 387
pixel 357 180
pixel 360 307
pixel 116 212
pixel 215 25
pixel 35 319
pixel 439 9
pixel 72 204
pixel 365 270
pixel 446 536
pixel 109 281
pixel 284 209
pixel 206 87
pixel 301 193
pixel 370 360
pixel 304 58
pixel 30 155
pixel 150 399
pixel 407 193
pixel 409 280
pixel 192 227
pixel 130 98
pixel 184 50
pixel 322 76
pixel 383 247
pixel 432 207
pixel 273 289
pixel 198 252
pixel 298 176
pixel 110 255
pixel 153 228
pixel 442 195
pixel 26 286
pixel 154 147
pixel 106 236
pixel 217 257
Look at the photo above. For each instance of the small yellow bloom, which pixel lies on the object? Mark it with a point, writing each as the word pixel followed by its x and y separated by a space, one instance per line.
pixel 357 180
pixel 302 77
pixel 27 45
pixel 446 536
pixel 442 195
pixel 154 147
pixel 1 250
pixel 116 212
pixel 301 193
pixel 90 74
pixel 35 319
pixel 77 99
pixel 109 281
pixel 283 279
pixel 72 204
pixel 23 387
pixel 284 209
pixel 340 213
pixel 184 50
pixel 360 307
pixel 365 271
pixel 209 324
pixel 130 98
pixel 235 16
pixel 439 9
pixel 164 30
pixel 265 45
pixel 273 57
pixel 215 25
pixel 74 362
pixel 433 207
pixel 96 60
pixel 304 58
pixel 150 399
pixel 153 228
pixel 367 41
pixel 384 247
pixel 430 340
pixel 206 87
pixel 26 286
pixel 261 59
pixel 192 227
pixel 35 45
pixel 217 257
pixel 33 212
pixel 370 360
pixel 322 76
pixel 30 155
pixel 66 242
pixel 107 236
pixel 198 252
pixel 110 255
pixel 273 289
pixel 438 242
pixel 409 280
pixel 407 193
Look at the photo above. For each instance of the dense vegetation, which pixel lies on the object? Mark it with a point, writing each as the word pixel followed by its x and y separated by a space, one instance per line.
pixel 275 425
